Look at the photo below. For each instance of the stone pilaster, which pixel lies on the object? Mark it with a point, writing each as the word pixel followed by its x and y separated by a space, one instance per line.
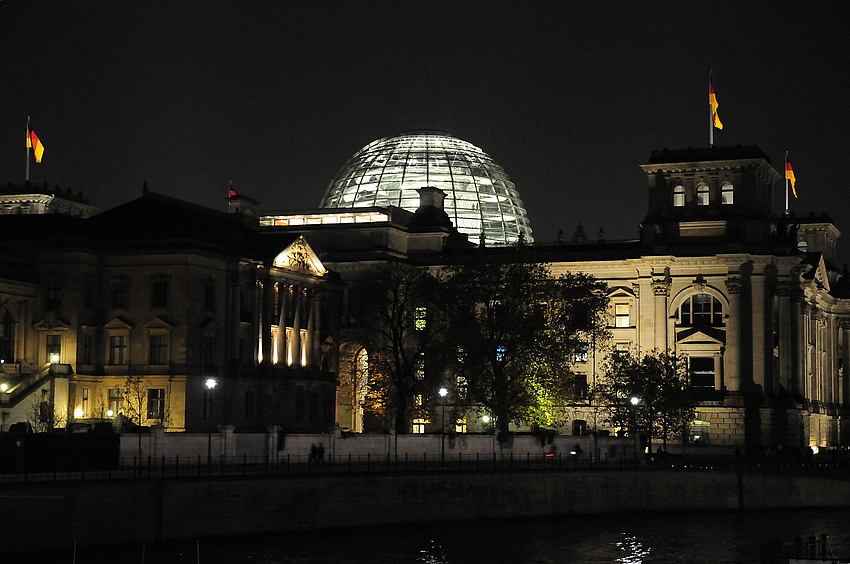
pixel 732 355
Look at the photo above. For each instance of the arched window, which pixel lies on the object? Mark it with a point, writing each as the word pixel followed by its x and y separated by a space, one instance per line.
pixel 727 194
pixel 702 195
pixel 701 309
pixel 679 196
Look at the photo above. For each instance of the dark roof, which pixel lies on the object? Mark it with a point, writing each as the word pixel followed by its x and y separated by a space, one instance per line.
pixel 690 154
pixel 32 188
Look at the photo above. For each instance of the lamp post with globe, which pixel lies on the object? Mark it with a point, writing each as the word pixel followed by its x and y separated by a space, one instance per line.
pixel 210 385
pixel 635 401
pixel 443 394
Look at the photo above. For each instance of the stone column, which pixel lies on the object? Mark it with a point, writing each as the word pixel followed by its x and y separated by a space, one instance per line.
pixel 762 330
pixel 798 324
pixel 660 291
pixel 235 315
pixel 785 341
pixel 732 355
pixel 844 381
pixel 265 316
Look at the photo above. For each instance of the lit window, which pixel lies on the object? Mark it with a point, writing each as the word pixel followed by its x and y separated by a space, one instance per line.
pixel 702 195
pixel 580 354
pixel 698 432
pixel 85 402
pixel 679 196
pixel 621 315
pixel 727 193
pixel 418 426
pixel 701 309
pixel 54 348
pixel 500 353
pixel 156 403
pixel 419 319
pixel 420 367
pixel 621 349
pixel 116 401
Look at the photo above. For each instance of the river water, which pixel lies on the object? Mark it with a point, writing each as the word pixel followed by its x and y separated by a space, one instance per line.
pixel 709 538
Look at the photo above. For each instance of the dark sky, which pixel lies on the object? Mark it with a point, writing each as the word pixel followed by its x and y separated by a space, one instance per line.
pixel 569 97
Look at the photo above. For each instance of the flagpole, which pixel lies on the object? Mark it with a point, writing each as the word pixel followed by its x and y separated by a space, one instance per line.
pixel 28 150
pixel 710 113
pixel 785 176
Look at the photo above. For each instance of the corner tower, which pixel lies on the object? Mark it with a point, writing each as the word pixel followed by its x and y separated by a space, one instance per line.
pixel 709 197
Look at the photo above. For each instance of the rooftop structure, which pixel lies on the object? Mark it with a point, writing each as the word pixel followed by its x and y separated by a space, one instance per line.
pixel 481 201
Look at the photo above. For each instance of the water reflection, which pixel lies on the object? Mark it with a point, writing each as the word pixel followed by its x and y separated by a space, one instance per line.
pixel 695 538
pixel 633 549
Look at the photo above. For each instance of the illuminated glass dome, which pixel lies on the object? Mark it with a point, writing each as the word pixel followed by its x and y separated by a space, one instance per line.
pixel 480 199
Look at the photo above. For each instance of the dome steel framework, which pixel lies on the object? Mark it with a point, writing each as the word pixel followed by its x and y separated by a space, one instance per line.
pixel 480 198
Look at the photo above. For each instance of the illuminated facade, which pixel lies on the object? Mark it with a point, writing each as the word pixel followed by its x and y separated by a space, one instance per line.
pixel 753 300
pixel 481 201
pixel 177 294
pixel 136 322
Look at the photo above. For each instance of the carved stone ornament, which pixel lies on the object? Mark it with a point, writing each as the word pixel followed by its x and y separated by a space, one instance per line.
pixel 733 285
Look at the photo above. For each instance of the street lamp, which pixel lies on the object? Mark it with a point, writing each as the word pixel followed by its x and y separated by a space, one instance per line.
pixel 210 384
pixel 635 401
pixel 443 393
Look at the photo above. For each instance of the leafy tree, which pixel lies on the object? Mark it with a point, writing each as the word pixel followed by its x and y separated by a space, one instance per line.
pixel 397 306
pixel 516 330
pixel 660 383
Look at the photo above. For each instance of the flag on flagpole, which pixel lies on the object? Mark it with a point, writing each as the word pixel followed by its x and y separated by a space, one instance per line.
pixel 35 144
pixel 789 175
pixel 712 101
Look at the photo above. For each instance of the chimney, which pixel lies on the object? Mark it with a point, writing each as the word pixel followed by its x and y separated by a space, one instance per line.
pixel 431 196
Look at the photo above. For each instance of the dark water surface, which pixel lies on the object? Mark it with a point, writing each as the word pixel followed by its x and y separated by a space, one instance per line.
pixel 710 538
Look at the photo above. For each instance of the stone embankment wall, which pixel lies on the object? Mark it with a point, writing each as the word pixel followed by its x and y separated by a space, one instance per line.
pixel 100 513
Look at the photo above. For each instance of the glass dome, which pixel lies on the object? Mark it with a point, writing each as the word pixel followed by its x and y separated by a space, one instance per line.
pixel 480 199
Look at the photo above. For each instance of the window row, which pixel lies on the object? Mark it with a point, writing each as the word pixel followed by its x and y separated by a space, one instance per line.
pixel 119 292
pixel 703 194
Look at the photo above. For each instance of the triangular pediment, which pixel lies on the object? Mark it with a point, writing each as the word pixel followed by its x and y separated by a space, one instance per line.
pixel 701 335
pixel 158 323
pixel 299 257
pixel 51 321
pixel 210 325
pixel 118 323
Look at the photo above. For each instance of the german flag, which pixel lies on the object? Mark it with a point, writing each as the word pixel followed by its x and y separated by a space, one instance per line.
pixel 712 101
pixel 789 175
pixel 34 144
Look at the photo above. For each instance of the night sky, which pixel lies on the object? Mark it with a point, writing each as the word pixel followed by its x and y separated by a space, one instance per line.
pixel 569 97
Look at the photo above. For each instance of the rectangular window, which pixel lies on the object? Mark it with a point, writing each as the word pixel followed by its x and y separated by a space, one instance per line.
pixel 580 386
pixel 580 354
pixel 208 347
pixel 88 353
pixel 53 294
pixel 249 405
pixel 116 402
pixel 118 349
pixel 54 348
pixel 120 293
pixel 156 403
pixel 85 402
pixel 418 426
pixel 88 293
pixel 621 349
pixel 314 406
pixel 621 315
pixel 420 316
pixel 159 349
pixel 159 293
pixel 209 294
pixel 420 367
pixel 702 372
